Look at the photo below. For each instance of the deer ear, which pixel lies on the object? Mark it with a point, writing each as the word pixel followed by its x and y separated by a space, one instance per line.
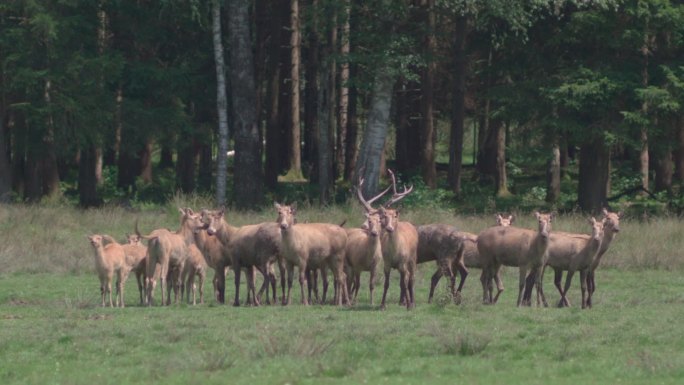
pixel 511 218
pixel 189 211
pixel 276 205
pixel 181 210
pixel 604 211
pixel 536 214
pixel 498 217
pixel 619 214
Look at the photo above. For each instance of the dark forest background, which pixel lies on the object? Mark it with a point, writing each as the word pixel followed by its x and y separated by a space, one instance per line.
pixel 479 104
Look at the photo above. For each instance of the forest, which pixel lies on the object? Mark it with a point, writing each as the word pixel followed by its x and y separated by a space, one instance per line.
pixel 568 104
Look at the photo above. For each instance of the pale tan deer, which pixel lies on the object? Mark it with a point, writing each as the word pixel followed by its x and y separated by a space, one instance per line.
pixel 611 226
pixel 109 259
pixel 399 247
pixel 364 251
pixel 250 247
pixel 215 255
pixel 195 266
pixel 169 250
pixel 136 254
pixel 513 246
pixel 312 245
pixel 571 253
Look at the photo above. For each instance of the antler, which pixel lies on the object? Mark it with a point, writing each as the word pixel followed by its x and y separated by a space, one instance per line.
pixel 396 197
pixel 367 203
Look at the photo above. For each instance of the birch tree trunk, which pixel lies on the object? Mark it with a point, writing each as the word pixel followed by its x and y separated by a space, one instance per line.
pixel 221 105
pixel 373 142
pixel 248 172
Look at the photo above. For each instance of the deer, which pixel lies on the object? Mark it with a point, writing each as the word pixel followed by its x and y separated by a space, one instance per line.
pixel 250 247
pixel 446 245
pixel 168 250
pixel 399 243
pixel 136 254
pixel 513 246
pixel 611 226
pixel 215 256
pixel 195 267
pixel 571 253
pixel 470 256
pixel 363 251
pixel 109 259
pixel 312 245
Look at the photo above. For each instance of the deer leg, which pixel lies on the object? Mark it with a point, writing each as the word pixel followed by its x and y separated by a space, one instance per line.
pixel 433 283
pixel 138 276
pixel 591 286
pixel 540 289
pixel 463 273
pixel 528 284
pixel 496 275
pixel 411 303
pixel 385 288
pixel 290 278
pixel 326 285
pixel 371 283
pixel 238 272
pixel 583 285
pixel 568 282
pixel 311 283
pixel 252 287
pixel 522 276
pixel 485 281
pixel 402 288
pixel 303 283
pixel 103 290
pixel 557 278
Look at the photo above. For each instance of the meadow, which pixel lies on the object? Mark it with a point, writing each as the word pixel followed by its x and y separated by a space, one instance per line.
pixel 53 331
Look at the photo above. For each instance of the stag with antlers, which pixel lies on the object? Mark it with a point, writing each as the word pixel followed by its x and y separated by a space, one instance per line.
pixel 399 245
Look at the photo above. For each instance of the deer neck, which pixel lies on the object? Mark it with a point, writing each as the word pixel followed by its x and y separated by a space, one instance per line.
pixel 226 232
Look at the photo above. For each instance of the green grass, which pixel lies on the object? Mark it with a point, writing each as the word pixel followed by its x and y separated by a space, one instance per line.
pixel 52 331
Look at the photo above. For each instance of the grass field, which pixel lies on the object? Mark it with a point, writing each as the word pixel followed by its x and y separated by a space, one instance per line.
pixel 52 330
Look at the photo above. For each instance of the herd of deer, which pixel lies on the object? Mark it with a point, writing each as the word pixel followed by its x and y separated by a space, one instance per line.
pixel 205 239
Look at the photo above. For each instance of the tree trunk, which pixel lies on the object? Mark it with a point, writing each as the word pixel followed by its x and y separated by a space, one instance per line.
pixel 352 132
pixel 428 138
pixel 373 142
pixel 325 143
pixel 343 102
pixel 594 176
pixel 145 161
pixel 501 180
pixel 5 164
pixel 221 105
pixel 87 182
pixel 295 160
pixel 248 174
pixel 643 160
pixel 273 137
pixel 553 175
pixel 186 165
pixel 206 165
pixel 458 114
pixel 165 157
pixel 679 154
pixel 48 171
pixel 664 169
pixel 311 128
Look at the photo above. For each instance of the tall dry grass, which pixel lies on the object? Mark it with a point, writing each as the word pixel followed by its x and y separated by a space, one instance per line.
pixel 52 238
